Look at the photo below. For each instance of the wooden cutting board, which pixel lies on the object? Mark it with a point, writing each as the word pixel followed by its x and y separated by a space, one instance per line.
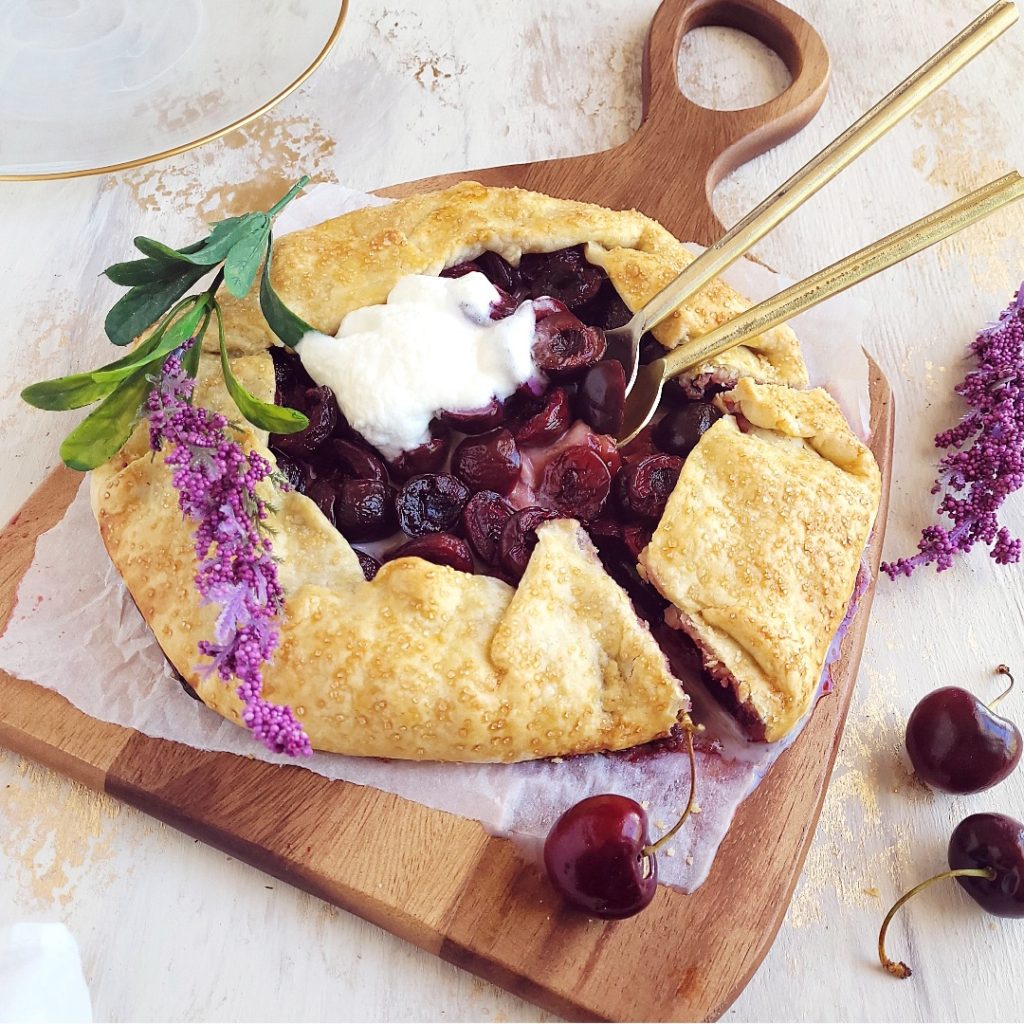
pixel 441 881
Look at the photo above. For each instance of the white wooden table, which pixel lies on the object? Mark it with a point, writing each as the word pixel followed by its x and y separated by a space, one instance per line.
pixel 172 929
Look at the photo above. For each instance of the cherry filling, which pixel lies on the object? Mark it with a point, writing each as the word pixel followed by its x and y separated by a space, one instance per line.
pixel 474 494
pixel 431 503
pixel 488 462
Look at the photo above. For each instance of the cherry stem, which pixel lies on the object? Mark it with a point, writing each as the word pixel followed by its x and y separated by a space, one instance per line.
pixel 691 804
pixel 1003 670
pixel 898 969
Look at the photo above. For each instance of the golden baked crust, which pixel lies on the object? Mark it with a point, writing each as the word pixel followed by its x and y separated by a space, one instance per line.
pixel 424 662
pixel 761 540
pixel 352 261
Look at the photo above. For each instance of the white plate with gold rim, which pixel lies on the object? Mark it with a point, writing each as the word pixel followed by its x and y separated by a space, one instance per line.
pixel 88 86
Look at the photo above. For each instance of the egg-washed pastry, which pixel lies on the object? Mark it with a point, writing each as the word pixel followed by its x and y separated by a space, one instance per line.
pixel 760 545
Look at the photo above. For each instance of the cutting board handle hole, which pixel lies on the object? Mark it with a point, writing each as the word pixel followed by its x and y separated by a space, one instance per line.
pixel 722 68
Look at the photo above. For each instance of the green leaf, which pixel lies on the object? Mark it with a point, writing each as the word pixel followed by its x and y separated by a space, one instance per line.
pixel 283 322
pixel 172 336
pixel 144 304
pixel 70 392
pixel 224 235
pixel 243 261
pixel 78 389
pixel 147 271
pixel 190 363
pixel 158 251
pixel 265 415
pixel 99 436
pixel 212 250
pixel 219 228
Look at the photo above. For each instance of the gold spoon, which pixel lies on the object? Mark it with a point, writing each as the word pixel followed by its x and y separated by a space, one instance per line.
pixel 643 399
pixel 624 342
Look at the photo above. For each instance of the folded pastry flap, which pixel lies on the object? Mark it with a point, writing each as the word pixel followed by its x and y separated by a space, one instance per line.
pixel 572 643
pixel 812 415
pixel 761 541
pixel 722 652
pixel 638 276
pixel 399 667
pixel 326 271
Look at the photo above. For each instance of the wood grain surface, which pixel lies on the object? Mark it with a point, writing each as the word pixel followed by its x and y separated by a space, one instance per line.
pixel 440 881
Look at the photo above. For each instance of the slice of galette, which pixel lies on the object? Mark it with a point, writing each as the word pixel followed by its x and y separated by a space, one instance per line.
pixel 760 545
pixel 459 541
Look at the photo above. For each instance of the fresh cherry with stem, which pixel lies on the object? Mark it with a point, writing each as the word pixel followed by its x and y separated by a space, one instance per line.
pixel 957 744
pixel 986 856
pixel 599 856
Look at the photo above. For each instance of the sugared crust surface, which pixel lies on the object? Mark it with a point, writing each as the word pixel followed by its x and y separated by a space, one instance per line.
pixel 761 541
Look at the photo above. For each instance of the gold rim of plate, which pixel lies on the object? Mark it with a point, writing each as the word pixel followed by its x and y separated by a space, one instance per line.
pixel 203 139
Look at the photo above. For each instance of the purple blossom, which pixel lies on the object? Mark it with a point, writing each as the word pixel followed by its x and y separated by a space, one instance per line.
pixel 216 484
pixel 985 460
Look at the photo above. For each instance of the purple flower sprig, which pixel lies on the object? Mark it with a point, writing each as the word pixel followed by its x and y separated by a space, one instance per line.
pixel 985 460
pixel 216 484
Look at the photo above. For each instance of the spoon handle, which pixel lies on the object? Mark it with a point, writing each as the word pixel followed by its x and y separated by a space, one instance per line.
pixel 847 272
pixel 838 154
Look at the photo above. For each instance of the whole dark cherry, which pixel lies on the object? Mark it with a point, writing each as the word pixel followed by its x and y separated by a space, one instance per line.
pixel 608 450
pixel 296 473
pixel 986 857
pixel 439 548
pixel 291 382
pixel 475 421
pixel 323 491
pixel 606 309
pixel 577 482
pixel 483 520
pixel 564 275
pixel 460 269
pixel 601 398
pixel 488 462
pixel 351 459
pixel 499 271
pixel 679 430
pixel 644 485
pixel 431 503
pixel 595 857
pixel 543 419
pixel 599 855
pixel 564 348
pixel 322 409
pixel 958 745
pixel 994 842
pixel 428 457
pixel 364 510
pixel 519 538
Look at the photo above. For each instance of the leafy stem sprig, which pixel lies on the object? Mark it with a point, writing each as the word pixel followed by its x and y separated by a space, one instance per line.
pixel 157 294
